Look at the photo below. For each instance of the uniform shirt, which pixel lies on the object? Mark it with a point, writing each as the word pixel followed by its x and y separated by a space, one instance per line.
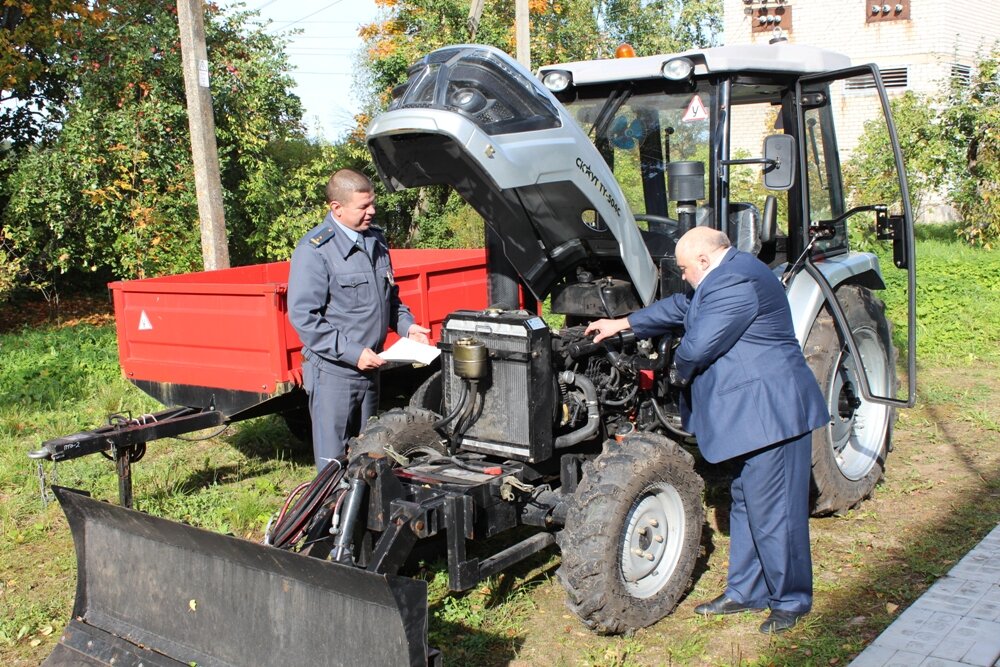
pixel 342 299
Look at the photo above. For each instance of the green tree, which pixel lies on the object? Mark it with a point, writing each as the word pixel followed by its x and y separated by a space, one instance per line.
pixel 38 57
pixel 662 26
pixel 870 174
pixel 970 124
pixel 114 193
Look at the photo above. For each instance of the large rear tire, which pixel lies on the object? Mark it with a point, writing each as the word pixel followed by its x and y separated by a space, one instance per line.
pixel 848 455
pixel 632 535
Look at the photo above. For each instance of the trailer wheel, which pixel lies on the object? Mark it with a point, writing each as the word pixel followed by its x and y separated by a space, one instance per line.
pixel 632 534
pixel 848 455
pixel 407 431
pixel 299 424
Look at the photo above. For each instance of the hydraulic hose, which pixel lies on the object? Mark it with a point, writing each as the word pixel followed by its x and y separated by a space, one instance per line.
pixel 292 523
pixel 466 416
pixel 673 430
pixel 459 404
pixel 593 410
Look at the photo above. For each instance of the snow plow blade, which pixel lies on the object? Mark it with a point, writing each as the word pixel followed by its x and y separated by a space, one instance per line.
pixel 156 592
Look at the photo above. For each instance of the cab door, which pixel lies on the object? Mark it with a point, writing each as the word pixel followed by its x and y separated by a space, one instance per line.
pixel 833 110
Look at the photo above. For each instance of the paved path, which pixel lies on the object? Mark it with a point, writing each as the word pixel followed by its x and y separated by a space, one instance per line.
pixel 956 623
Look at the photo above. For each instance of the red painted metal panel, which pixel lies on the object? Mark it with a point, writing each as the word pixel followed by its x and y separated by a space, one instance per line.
pixel 229 329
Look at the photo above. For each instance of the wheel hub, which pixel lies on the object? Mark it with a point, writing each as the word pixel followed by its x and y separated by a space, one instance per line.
pixel 855 445
pixel 652 540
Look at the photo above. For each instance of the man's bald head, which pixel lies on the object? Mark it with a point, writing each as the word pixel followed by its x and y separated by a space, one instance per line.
pixel 696 251
pixel 703 240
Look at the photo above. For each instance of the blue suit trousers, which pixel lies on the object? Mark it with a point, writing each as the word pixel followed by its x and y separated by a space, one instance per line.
pixel 769 560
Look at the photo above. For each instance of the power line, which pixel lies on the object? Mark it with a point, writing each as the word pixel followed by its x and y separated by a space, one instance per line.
pixel 322 9
pixel 266 4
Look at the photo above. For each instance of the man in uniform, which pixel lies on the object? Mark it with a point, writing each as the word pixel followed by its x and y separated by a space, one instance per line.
pixel 341 300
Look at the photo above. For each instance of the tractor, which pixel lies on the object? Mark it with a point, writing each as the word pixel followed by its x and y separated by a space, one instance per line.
pixel 529 434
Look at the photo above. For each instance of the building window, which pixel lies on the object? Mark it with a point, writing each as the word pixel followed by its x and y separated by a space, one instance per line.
pixel 961 74
pixel 892 77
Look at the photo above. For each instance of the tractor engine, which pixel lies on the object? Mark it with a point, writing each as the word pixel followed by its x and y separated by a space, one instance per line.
pixel 514 389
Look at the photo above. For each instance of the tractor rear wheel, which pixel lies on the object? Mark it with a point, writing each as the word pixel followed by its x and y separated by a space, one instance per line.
pixel 848 457
pixel 632 535
pixel 406 431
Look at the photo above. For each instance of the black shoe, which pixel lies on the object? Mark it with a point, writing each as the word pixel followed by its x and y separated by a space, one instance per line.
pixel 723 605
pixel 779 621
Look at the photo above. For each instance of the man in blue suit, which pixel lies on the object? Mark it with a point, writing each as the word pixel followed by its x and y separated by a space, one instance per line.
pixel 753 400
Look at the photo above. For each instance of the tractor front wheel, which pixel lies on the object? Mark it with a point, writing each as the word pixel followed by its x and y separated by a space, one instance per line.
pixel 632 534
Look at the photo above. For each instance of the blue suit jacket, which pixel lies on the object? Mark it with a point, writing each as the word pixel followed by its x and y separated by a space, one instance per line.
pixel 750 385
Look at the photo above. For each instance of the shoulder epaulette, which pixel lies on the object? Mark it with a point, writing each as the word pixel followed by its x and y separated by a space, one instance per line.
pixel 322 235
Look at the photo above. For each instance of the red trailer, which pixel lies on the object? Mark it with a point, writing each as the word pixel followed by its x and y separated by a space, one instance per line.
pixel 225 335
pixel 217 346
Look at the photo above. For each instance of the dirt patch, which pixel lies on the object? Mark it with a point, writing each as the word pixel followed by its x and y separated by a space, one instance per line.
pixel 62 312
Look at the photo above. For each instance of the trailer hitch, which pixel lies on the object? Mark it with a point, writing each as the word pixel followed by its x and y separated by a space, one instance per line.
pixel 126 440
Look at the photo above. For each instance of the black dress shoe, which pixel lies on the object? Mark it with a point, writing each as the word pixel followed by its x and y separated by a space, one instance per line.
pixel 779 621
pixel 723 605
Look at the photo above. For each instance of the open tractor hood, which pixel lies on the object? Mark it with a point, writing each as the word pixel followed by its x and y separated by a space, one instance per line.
pixel 471 117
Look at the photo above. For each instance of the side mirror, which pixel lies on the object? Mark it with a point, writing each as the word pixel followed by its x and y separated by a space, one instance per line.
pixel 779 157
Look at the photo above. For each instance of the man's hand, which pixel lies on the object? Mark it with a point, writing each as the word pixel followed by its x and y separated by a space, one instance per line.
pixel 605 328
pixel 369 360
pixel 418 334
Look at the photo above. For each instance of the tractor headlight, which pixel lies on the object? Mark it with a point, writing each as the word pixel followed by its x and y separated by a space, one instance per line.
pixel 677 69
pixel 557 80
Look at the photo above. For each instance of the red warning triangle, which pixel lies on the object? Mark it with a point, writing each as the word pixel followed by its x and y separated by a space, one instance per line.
pixel 695 110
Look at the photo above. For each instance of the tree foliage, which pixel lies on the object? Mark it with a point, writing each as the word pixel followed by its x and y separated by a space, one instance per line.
pixel 871 172
pixel 662 26
pixel 970 124
pixel 114 192
pixel 38 57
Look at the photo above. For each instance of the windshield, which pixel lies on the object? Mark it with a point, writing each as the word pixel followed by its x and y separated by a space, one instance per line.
pixel 639 132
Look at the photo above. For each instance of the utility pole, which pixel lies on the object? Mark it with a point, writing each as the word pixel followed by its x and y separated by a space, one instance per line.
pixel 475 14
pixel 204 152
pixel 521 33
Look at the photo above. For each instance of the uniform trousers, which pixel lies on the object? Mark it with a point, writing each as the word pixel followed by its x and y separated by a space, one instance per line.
pixel 769 560
pixel 341 400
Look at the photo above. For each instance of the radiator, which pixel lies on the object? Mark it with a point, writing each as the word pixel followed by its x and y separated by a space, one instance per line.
pixel 518 392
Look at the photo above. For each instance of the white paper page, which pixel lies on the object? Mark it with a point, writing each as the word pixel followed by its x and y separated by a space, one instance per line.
pixel 410 351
